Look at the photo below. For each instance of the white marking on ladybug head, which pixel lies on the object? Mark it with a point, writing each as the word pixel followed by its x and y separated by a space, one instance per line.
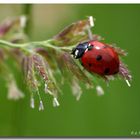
pixel 86 50
pixel 76 53
pixel 89 44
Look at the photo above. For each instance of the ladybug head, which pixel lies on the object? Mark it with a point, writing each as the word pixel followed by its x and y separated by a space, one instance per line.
pixel 79 50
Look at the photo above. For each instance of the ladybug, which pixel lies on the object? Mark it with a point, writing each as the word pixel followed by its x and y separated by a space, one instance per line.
pixel 97 57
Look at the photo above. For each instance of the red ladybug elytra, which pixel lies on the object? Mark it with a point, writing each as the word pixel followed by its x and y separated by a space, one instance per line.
pixel 97 57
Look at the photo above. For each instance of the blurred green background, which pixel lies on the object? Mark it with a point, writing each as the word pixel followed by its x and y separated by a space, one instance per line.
pixel 117 113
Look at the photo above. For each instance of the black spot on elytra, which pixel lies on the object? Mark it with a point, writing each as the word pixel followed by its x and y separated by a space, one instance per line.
pixel 106 71
pixel 99 57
